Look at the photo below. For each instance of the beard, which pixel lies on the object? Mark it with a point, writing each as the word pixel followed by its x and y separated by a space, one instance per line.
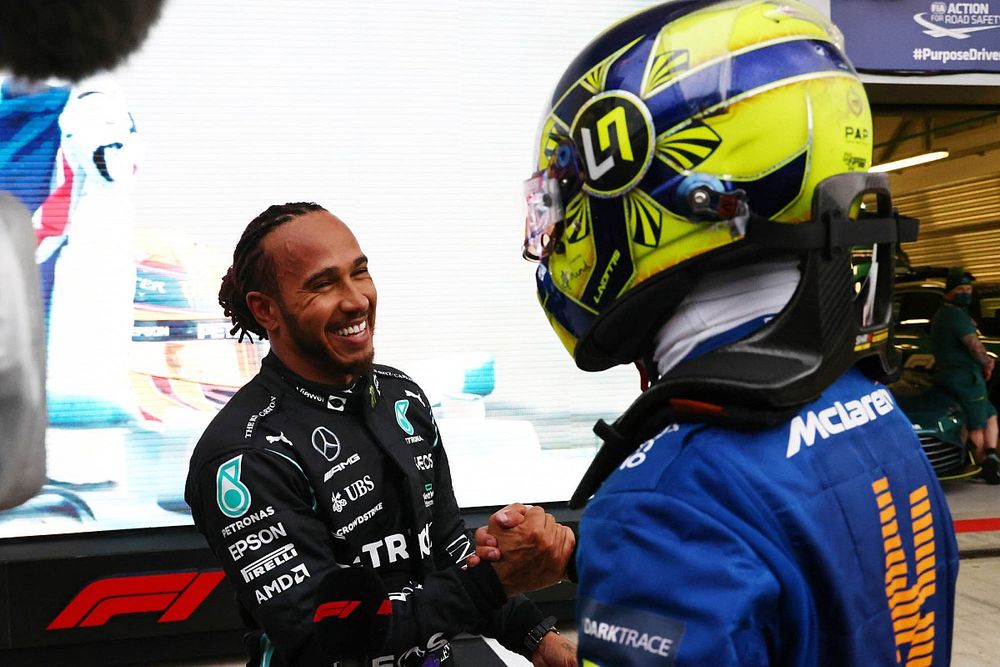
pixel 316 349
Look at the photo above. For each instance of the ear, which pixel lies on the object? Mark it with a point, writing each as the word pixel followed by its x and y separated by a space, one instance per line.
pixel 264 309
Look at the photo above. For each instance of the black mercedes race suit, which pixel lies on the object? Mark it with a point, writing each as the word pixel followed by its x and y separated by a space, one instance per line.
pixel 293 480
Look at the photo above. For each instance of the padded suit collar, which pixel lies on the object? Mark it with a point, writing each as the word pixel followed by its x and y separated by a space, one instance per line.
pixel 352 399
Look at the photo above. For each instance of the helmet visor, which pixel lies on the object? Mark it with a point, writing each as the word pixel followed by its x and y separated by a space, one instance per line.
pixel 544 213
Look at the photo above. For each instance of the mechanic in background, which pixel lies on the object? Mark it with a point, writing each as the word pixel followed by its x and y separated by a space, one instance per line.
pixel 963 367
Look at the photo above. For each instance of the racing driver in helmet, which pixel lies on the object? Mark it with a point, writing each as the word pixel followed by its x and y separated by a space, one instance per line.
pixel 700 197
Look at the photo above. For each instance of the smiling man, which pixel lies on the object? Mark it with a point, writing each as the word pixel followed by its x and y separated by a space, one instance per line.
pixel 319 308
pixel 323 482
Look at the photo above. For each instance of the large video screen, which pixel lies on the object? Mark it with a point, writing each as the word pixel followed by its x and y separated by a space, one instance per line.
pixel 415 122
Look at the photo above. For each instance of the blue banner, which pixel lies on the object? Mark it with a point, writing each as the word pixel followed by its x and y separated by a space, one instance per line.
pixel 927 36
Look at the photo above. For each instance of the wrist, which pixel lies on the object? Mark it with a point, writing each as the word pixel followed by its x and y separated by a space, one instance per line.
pixel 538 633
pixel 483 587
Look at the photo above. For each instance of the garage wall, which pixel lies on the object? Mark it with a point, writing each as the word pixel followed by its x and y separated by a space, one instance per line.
pixel 959 225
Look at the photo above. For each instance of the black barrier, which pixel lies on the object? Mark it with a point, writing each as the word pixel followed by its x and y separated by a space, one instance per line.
pixel 114 598
pixel 139 597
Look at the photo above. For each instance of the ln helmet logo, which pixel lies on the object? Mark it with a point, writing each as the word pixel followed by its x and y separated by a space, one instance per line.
pixel 177 595
pixel 231 494
pixel 615 130
pixel 404 423
pixel 326 443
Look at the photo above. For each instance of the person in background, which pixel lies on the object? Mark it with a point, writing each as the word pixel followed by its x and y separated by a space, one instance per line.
pixel 68 40
pixel 764 501
pixel 327 471
pixel 963 367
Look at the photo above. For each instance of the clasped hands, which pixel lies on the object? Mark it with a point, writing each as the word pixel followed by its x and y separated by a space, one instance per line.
pixel 527 548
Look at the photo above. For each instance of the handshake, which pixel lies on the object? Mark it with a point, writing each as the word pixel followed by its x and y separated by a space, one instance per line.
pixel 527 548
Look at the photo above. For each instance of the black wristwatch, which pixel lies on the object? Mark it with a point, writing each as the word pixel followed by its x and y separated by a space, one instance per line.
pixel 535 635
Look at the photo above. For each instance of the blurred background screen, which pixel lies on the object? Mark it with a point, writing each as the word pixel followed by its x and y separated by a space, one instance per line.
pixel 414 122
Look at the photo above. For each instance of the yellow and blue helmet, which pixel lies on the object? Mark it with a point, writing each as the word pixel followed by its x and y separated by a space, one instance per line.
pixel 667 136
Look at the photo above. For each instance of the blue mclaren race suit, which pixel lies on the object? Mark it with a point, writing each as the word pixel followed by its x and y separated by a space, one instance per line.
pixel 825 541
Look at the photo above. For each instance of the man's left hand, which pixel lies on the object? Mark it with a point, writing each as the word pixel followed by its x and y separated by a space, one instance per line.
pixel 554 651
pixel 486 549
pixel 533 554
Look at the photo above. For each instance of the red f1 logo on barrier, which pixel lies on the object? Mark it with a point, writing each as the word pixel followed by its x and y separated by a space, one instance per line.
pixel 344 608
pixel 177 595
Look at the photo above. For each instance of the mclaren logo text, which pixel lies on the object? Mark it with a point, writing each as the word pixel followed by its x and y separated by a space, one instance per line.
pixel 837 418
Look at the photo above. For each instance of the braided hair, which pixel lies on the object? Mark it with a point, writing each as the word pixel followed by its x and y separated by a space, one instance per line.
pixel 253 269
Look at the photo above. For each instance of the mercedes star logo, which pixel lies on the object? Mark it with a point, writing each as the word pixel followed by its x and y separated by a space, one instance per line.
pixel 326 443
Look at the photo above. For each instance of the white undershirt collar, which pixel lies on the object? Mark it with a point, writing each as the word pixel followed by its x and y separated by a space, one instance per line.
pixel 722 301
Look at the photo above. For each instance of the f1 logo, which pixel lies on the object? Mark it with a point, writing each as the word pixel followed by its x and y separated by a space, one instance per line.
pixel 338 608
pixel 344 608
pixel 177 595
